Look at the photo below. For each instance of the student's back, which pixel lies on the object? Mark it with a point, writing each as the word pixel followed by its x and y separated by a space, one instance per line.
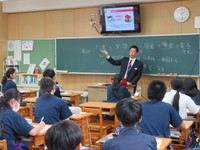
pixel 116 92
pixel 156 118
pixel 157 115
pixel 122 93
pixel 51 107
pixel 129 113
pixel 191 89
pixel 179 101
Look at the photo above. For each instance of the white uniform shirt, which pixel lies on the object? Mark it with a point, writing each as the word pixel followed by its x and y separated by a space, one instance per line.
pixel 185 102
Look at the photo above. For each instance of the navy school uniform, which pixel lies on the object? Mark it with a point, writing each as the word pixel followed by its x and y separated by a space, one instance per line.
pixel 14 125
pixel 8 85
pixel 52 108
pixel 130 139
pixel 156 118
pixel 122 93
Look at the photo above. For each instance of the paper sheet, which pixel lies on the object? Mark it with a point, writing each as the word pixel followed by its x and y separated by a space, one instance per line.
pixel 17 50
pixel 158 143
pixel 27 45
pixel 26 58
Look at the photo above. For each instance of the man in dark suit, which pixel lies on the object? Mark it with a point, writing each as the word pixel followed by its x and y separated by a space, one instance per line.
pixel 129 113
pixel 131 68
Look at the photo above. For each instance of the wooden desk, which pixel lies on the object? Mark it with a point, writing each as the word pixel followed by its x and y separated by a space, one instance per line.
pixel 74 97
pixel 26 111
pixel 107 108
pixel 83 121
pixel 38 139
pixel 29 93
pixel 164 144
pixel 184 132
pixel 30 100
pixel 196 120
pixel 98 93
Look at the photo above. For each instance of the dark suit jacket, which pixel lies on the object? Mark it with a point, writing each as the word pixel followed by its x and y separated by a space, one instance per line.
pixel 135 72
pixel 130 139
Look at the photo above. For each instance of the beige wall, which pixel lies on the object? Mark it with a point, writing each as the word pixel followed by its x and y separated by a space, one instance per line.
pixel 3 39
pixel 156 18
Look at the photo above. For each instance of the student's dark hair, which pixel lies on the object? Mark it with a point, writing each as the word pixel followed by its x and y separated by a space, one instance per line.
pixel 7 75
pixel 8 95
pixel 156 90
pixel 115 86
pixel 46 86
pixel 135 47
pixel 65 135
pixel 190 87
pixel 176 84
pixel 49 73
pixel 128 112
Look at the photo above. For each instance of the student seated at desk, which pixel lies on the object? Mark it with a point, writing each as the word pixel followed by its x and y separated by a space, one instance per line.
pixel 190 89
pixel 14 125
pixel 7 81
pixel 65 135
pixel 158 115
pixel 50 73
pixel 51 107
pixel 129 113
pixel 116 92
pixel 179 101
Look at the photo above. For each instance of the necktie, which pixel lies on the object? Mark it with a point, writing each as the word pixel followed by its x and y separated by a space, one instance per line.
pixel 129 67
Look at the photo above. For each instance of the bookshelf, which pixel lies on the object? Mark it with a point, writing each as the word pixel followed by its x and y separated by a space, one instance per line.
pixel 29 79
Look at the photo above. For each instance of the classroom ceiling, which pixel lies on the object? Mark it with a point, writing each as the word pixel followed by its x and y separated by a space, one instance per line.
pixel 12 6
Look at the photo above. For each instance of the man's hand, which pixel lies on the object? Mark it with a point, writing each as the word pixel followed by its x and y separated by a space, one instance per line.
pixel 105 53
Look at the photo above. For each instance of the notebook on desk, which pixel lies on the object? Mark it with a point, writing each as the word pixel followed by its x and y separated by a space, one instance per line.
pixel 104 139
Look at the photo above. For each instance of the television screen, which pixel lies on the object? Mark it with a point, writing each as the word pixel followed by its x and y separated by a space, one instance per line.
pixel 120 19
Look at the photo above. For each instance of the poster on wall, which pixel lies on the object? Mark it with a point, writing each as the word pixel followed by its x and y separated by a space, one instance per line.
pixel 27 45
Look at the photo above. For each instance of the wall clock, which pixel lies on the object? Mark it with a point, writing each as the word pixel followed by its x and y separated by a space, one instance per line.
pixel 181 14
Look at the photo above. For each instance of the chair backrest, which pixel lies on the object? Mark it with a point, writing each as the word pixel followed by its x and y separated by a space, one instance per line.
pixel 3 144
pixel 96 111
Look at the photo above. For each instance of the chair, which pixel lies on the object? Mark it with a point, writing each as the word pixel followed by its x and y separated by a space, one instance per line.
pixel 3 144
pixel 97 128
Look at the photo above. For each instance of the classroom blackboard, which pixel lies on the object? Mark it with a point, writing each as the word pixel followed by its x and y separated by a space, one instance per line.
pixel 160 54
pixel 43 48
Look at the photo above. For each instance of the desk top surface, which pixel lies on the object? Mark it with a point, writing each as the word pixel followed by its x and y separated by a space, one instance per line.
pixel 99 105
pixel 70 94
pixel 82 115
pixel 30 99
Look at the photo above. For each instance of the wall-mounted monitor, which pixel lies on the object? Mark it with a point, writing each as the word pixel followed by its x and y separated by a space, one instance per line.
pixel 120 19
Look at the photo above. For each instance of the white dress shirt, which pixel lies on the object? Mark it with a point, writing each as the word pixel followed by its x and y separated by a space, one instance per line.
pixel 185 102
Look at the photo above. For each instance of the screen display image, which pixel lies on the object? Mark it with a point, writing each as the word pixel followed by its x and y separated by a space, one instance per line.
pixel 120 19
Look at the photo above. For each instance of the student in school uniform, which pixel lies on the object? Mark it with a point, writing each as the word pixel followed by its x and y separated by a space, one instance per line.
pixel 158 115
pixel 7 80
pixel 51 107
pixel 51 73
pixel 65 135
pixel 129 113
pixel 14 125
pixel 190 89
pixel 179 101
pixel 116 92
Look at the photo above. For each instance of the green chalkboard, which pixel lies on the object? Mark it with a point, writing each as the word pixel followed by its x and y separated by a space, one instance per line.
pixel 160 54
pixel 44 48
